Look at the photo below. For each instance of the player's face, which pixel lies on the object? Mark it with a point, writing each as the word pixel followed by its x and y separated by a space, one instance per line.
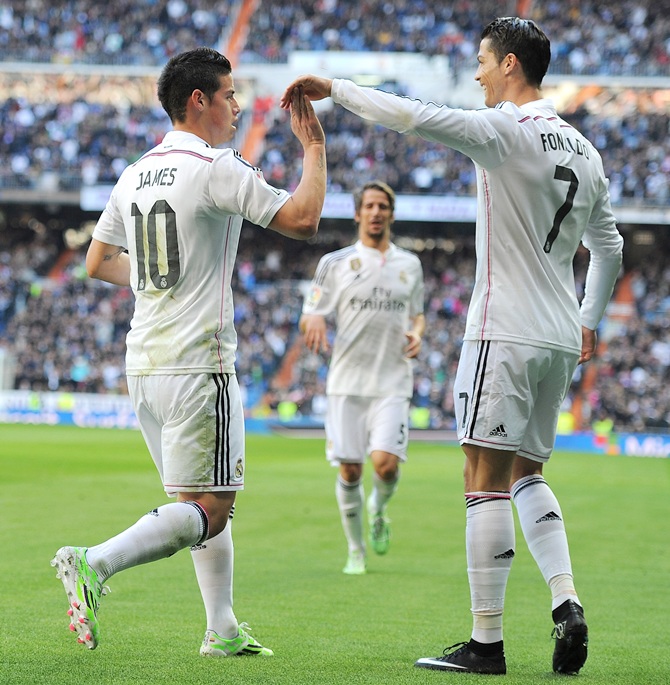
pixel 489 74
pixel 223 112
pixel 375 216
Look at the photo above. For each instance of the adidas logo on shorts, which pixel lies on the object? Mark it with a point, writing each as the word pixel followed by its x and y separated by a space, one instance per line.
pixel 499 431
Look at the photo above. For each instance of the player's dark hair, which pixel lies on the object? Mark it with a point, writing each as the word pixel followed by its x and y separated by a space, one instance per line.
pixel 523 38
pixel 199 69
pixel 374 185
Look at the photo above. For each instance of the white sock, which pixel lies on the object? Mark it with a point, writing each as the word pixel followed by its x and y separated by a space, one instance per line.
pixel 489 541
pixel 213 561
pixel 542 524
pixel 382 491
pixel 350 498
pixel 157 535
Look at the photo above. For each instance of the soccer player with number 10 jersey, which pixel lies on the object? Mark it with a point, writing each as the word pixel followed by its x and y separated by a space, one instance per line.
pixel 171 230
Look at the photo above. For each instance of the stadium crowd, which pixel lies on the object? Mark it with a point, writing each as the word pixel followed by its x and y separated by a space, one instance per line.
pixel 67 145
pixel 67 332
pixel 629 37
pixel 120 32
pixel 632 387
pixel 67 131
pixel 87 140
pixel 630 130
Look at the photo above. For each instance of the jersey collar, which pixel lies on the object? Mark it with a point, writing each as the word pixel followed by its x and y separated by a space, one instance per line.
pixel 182 137
pixel 373 250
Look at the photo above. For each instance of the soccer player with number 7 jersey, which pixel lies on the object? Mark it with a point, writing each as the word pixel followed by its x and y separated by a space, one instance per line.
pixel 541 191
pixel 171 230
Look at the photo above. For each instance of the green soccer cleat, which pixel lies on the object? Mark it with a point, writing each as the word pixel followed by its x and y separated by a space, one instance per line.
pixel 379 530
pixel 355 563
pixel 83 590
pixel 242 645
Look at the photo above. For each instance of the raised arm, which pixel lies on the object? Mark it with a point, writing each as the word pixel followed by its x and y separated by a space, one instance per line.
pixel 299 217
pixel 485 135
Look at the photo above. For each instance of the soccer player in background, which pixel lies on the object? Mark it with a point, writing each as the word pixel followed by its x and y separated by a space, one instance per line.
pixel 170 230
pixel 375 290
pixel 541 190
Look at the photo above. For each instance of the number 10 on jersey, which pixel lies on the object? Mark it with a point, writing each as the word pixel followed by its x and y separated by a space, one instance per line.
pixel 157 246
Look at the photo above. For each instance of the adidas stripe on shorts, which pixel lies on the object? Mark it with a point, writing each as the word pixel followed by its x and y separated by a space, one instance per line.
pixel 193 425
pixel 508 396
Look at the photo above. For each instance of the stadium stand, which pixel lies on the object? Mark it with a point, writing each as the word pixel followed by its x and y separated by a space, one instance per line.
pixel 119 33
pixel 87 140
pixel 628 37
pixel 72 121
pixel 68 331
pixel 631 386
pixel 588 37
pixel 630 128
pixel 86 131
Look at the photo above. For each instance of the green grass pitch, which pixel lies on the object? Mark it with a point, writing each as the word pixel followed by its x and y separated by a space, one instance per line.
pixel 80 486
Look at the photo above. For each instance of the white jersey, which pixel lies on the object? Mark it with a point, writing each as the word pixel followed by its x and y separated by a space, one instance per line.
pixel 374 296
pixel 178 211
pixel 541 190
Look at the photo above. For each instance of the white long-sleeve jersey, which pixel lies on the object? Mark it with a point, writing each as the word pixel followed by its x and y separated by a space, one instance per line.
pixel 178 210
pixel 541 191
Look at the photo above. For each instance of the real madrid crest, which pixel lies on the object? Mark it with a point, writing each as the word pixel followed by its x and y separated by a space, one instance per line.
pixel 355 264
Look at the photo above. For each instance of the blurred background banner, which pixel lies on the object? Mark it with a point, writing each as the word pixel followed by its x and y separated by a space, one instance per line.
pixel 105 411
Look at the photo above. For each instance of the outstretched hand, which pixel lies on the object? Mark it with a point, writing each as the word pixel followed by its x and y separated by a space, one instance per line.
pixel 304 123
pixel 314 88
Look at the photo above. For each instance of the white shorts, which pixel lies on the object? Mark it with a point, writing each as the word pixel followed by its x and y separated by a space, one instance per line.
pixel 508 396
pixel 358 426
pixel 193 425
